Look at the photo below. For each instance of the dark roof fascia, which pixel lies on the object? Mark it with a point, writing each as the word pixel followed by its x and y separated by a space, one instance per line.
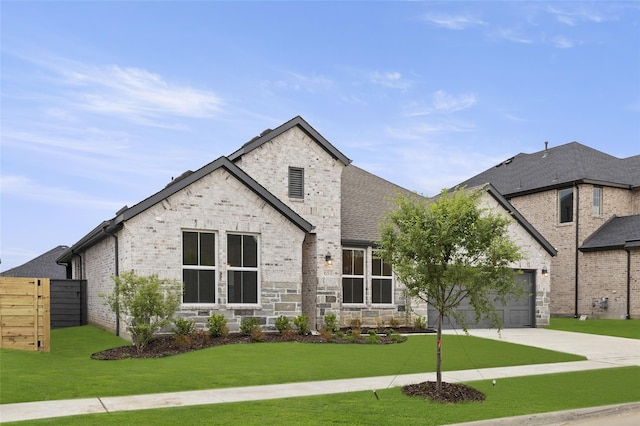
pixel 567 185
pixel 632 244
pixel 98 234
pixel 304 126
pixel 603 248
pixel 521 220
pixel 234 170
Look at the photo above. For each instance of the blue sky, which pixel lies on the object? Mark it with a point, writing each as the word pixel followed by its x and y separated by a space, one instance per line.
pixel 104 102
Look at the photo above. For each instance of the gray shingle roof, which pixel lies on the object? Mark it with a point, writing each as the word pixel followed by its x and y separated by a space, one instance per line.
pixel 616 233
pixel 559 166
pixel 365 199
pixel 43 266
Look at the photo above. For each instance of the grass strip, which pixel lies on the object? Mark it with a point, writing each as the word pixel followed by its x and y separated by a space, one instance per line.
pixel 68 372
pixel 606 327
pixel 510 397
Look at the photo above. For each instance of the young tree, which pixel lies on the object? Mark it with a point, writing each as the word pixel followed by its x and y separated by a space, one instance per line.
pixel 144 304
pixel 450 249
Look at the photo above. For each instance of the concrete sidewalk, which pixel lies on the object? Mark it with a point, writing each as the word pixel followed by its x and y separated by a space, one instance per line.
pixel 601 351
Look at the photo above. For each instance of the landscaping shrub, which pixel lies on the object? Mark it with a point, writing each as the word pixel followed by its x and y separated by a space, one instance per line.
pixel 183 327
pixel 248 324
pixel 327 335
pixel 302 324
pixel 282 324
pixel 331 322
pixel 420 323
pixel 394 323
pixel 257 335
pixel 217 325
pixel 144 303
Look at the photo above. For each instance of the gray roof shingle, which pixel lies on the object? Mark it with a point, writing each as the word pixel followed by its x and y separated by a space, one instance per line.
pixel 43 266
pixel 559 166
pixel 365 199
pixel 617 233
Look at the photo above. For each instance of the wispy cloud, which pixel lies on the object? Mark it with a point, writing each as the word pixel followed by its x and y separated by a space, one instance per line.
pixel 390 79
pixel 137 93
pixel 443 102
pixel 295 81
pixel 134 94
pixel 514 35
pixel 453 22
pixel 580 13
pixel 562 42
pixel 26 188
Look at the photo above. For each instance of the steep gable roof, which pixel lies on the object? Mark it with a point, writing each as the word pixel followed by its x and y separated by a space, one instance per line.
pixel 43 266
pixel 299 122
pixel 559 166
pixel 126 213
pixel 619 232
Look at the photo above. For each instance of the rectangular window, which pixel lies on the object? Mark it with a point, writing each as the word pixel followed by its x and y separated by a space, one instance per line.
pixel 296 182
pixel 199 267
pixel 352 276
pixel 381 282
pixel 242 268
pixel 597 200
pixel 565 205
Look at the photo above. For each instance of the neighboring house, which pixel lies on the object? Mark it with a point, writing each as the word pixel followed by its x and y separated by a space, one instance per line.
pixel 587 204
pixel 43 266
pixel 283 226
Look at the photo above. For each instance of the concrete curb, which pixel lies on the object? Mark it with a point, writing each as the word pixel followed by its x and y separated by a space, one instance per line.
pixel 618 414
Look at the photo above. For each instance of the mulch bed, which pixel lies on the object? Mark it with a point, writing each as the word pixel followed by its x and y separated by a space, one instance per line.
pixel 168 345
pixel 451 392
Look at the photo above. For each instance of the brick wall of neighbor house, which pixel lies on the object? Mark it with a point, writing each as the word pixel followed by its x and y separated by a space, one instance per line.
pixel 152 243
pixel 541 210
pixel 100 267
pixel 535 258
pixel 269 164
pixel 635 284
pixel 608 282
pixel 635 201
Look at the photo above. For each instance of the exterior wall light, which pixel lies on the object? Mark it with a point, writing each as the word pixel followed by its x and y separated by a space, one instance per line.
pixel 545 272
pixel 328 260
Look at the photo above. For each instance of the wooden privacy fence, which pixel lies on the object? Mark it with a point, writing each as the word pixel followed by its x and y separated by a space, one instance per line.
pixel 24 314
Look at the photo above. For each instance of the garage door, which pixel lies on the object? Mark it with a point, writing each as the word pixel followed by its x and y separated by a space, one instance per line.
pixel 515 314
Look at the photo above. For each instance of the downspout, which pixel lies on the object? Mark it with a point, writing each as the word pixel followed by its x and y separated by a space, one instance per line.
pixel 117 273
pixel 576 247
pixel 628 282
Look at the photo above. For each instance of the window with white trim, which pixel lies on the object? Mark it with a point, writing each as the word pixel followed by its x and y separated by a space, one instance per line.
pixel 352 276
pixel 597 201
pixel 242 268
pixel 199 267
pixel 381 282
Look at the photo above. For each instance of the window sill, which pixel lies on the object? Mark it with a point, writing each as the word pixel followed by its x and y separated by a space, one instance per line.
pixel 354 305
pixel 243 306
pixel 383 305
pixel 198 306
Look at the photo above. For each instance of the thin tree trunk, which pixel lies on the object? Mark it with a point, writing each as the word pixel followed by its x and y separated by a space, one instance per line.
pixel 439 353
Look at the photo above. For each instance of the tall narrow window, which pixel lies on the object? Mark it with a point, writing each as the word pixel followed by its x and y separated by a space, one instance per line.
pixel 381 282
pixel 199 267
pixel 242 268
pixel 597 200
pixel 352 276
pixel 565 205
pixel 296 182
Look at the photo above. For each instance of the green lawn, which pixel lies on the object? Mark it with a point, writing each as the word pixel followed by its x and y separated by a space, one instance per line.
pixel 69 372
pixel 606 327
pixel 510 397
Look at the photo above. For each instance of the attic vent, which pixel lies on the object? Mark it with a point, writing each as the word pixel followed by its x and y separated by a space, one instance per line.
pixel 179 178
pixel 296 182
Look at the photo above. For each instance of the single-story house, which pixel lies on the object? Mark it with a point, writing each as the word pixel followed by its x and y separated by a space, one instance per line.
pixel 285 225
